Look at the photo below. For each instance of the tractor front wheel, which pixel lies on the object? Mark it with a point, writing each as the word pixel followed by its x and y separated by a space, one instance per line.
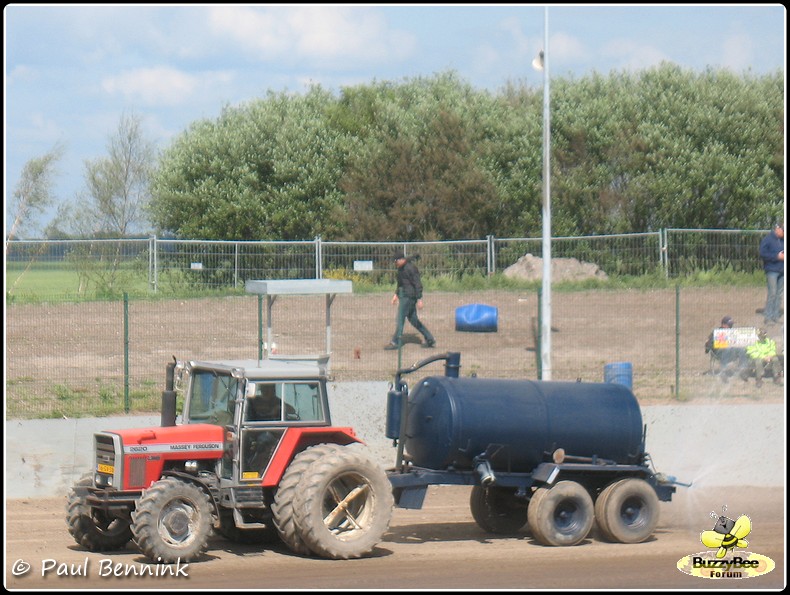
pixel 172 521
pixel 91 527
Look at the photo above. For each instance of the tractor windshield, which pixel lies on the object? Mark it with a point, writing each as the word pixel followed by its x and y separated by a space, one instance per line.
pixel 213 398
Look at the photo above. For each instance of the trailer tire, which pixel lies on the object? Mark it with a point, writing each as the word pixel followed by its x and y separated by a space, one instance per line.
pixel 172 521
pixel 627 511
pixel 289 486
pixel 345 506
pixel 561 515
pixel 498 510
pixel 90 527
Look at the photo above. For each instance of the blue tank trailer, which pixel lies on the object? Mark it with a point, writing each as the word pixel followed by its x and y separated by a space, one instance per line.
pixel 556 455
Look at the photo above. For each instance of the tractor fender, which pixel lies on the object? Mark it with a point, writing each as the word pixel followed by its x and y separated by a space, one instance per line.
pixel 295 440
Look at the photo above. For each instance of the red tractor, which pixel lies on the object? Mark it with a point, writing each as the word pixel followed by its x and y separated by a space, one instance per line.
pixel 255 458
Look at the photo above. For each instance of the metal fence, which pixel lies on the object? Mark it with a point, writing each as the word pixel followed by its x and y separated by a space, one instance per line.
pixel 169 264
pixel 73 357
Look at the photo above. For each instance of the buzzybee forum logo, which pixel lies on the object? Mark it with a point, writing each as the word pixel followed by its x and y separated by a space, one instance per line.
pixel 723 561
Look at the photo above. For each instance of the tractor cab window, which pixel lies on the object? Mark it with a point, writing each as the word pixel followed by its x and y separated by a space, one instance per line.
pixel 213 398
pixel 283 401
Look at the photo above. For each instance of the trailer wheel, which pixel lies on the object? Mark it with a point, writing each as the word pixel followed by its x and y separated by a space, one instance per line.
pixel 627 511
pixel 345 505
pixel 172 521
pixel 561 515
pixel 498 510
pixel 283 505
pixel 91 527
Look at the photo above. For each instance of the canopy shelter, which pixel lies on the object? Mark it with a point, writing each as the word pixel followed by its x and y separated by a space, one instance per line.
pixel 272 289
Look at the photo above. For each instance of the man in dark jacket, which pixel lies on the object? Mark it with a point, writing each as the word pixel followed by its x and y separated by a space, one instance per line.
pixel 408 296
pixel 772 251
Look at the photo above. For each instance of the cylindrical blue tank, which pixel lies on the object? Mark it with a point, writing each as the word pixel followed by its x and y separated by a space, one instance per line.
pixel 452 420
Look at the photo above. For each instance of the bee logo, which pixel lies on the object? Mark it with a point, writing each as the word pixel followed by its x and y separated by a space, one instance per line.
pixel 726 533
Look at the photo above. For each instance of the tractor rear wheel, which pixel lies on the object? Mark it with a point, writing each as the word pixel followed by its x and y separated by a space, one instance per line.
pixel 173 521
pixel 283 505
pixel 627 511
pixel 91 527
pixel 561 515
pixel 498 510
pixel 345 505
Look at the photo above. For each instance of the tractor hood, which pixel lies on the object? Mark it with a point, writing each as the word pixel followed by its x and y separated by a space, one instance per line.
pixel 192 439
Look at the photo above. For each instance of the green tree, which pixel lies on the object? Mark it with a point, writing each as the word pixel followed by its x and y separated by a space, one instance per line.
pixel 266 170
pixel 33 193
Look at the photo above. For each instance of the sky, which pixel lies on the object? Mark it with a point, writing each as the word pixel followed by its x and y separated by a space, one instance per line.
pixel 72 71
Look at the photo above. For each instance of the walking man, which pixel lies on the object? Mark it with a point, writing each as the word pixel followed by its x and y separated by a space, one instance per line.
pixel 772 251
pixel 408 296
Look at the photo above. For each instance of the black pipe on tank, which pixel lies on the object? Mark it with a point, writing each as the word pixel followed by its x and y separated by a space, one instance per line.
pixel 452 364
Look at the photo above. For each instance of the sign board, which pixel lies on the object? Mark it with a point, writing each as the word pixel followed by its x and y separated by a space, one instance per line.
pixel 727 338
pixel 363 265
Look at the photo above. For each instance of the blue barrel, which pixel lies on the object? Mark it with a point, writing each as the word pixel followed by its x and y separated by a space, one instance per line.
pixel 519 422
pixel 619 372
pixel 476 318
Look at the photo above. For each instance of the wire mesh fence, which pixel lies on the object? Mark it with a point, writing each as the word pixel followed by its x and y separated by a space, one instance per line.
pixel 160 265
pixel 69 356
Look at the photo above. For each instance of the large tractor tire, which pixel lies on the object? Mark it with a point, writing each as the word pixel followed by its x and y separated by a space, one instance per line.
pixel 627 511
pixel 498 510
pixel 173 521
pixel 561 515
pixel 344 506
pixel 90 527
pixel 283 505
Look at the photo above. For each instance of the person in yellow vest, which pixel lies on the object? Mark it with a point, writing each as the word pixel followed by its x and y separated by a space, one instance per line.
pixel 763 355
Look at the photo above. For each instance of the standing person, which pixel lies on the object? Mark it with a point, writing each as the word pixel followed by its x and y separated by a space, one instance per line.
pixel 772 251
pixel 408 296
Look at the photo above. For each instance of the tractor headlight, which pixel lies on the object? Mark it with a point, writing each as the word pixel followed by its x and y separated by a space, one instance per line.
pixel 191 467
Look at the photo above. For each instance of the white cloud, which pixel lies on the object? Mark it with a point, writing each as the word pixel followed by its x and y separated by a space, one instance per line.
pixel 21 73
pixel 322 34
pixel 629 55
pixel 162 85
pixel 738 52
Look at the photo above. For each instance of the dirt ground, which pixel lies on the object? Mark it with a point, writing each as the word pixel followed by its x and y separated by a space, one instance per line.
pixel 437 547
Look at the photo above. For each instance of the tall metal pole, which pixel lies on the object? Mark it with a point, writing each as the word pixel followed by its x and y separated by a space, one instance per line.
pixel 545 343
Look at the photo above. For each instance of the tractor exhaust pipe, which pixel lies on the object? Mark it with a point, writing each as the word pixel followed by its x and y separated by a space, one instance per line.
pixel 168 417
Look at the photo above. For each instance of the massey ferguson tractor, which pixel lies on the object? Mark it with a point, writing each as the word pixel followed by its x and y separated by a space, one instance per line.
pixel 256 458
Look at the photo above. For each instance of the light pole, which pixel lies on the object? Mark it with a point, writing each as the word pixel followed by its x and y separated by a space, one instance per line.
pixel 542 63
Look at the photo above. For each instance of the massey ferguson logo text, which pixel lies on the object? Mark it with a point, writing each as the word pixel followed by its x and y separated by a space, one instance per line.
pixel 726 535
pixel 179 447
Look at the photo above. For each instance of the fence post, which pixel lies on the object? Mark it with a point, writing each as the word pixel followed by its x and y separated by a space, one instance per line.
pixel 319 258
pixel 677 341
pixel 126 352
pixel 260 326
pixel 236 265
pixel 490 255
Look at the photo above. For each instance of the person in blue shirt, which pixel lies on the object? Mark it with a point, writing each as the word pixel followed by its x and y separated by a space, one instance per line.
pixel 772 251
